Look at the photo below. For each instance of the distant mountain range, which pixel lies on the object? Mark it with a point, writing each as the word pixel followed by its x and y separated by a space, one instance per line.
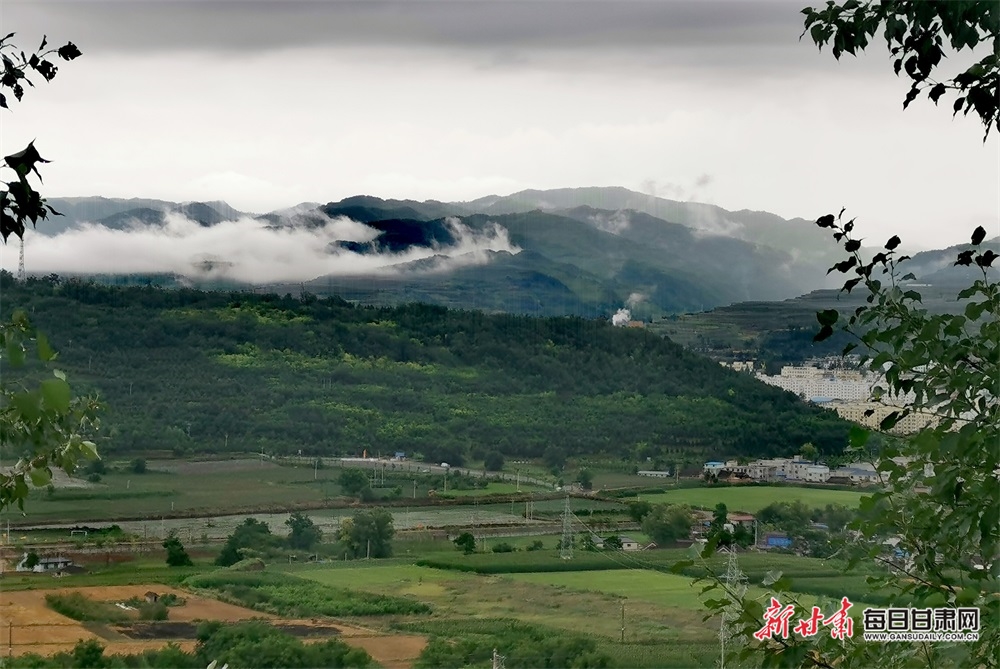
pixel 777 333
pixel 584 251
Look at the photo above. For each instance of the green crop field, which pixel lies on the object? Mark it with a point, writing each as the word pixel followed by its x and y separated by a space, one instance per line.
pixel 668 590
pixel 494 488
pixel 189 487
pixel 754 498
pixel 466 597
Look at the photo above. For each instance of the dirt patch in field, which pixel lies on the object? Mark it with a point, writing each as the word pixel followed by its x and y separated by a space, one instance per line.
pixel 32 627
pixel 392 652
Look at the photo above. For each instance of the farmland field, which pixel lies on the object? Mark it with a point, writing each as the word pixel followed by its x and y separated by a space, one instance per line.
pixel 472 596
pixel 166 488
pixel 754 498
pixel 32 627
pixel 494 488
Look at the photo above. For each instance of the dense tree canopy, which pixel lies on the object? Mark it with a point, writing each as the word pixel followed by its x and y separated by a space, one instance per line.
pixel 368 533
pixel 186 371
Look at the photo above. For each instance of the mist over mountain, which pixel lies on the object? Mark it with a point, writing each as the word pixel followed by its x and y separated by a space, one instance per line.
pixel 582 251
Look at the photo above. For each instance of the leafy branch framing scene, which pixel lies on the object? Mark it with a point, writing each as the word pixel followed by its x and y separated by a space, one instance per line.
pixel 939 504
pixel 41 425
pixel 512 442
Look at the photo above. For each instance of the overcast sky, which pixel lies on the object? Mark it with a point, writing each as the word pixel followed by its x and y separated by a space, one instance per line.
pixel 267 104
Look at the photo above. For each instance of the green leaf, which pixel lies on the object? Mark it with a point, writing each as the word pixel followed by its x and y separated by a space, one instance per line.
pixel 824 333
pixel 45 352
pixel 40 476
pixel 69 51
pixel 889 421
pixel 27 405
pixel 89 450
pixel 15 354
pixel 892 243
pixel 966 596
pixel 858 436
pixel 680 566
pixel 935 599
pixel 978 235
pixel 827 316
pixel 57 394
pixel 974 310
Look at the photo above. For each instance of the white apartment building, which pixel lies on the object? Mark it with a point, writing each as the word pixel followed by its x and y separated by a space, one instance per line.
pixel 810 382
pixel 817 474
pixel 855 411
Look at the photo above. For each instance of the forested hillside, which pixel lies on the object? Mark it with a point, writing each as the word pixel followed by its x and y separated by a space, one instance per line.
pixel 194 371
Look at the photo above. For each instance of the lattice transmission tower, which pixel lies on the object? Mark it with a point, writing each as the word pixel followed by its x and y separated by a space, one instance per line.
pixel 736 586
pixel 566 547
pixel 20 262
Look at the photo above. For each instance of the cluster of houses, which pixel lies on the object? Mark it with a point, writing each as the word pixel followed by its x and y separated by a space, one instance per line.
pixel 792 469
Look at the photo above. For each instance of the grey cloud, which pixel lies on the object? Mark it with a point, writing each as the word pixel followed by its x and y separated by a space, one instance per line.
pixel 148 25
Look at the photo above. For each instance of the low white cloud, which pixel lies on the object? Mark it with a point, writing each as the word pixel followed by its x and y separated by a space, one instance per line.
pixel 635 299
pixel 246 250
pixel 616 223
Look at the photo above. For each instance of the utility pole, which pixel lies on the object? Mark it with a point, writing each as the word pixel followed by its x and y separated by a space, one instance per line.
pixel 414 488
pixel 623 621
pixel 497 660
pixel 368 553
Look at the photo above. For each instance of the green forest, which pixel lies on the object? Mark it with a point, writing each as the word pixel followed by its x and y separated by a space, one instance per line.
pixel 192 372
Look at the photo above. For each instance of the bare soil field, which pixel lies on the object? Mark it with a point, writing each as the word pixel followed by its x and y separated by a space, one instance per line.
pixel 32 627
pixel 210 466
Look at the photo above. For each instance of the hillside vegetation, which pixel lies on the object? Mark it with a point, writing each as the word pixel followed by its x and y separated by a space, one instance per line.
pixel 200 372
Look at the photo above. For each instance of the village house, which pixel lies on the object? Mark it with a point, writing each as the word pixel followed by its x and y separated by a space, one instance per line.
pixel 44 564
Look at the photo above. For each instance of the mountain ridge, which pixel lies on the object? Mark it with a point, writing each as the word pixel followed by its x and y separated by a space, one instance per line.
pixel 607 245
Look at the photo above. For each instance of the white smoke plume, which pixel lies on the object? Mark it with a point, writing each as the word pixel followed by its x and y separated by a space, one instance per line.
pixel 621 318
pixel 246 250
pixel 635 299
